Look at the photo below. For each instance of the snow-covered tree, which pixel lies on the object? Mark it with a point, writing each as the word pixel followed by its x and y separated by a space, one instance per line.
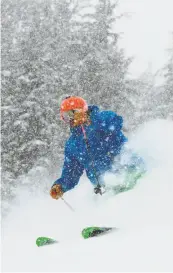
pixel 35 36
pixel 141 100
pixel 168 98
pixel 103 66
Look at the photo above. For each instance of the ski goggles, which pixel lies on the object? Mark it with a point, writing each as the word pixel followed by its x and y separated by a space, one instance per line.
pixel 74 117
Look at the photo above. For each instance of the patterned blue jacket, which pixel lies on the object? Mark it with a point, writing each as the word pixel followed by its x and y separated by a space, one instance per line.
pixel 105 140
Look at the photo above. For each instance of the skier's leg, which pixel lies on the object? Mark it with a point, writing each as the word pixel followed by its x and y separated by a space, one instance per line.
pixel 128 167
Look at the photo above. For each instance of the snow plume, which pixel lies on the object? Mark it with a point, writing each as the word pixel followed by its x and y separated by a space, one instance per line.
pixel 144 216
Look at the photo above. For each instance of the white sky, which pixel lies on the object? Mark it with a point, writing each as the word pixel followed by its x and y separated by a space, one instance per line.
pixel 147 32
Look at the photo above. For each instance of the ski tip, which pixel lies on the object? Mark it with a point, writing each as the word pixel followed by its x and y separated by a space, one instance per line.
pixel 42 241
pixel 89 232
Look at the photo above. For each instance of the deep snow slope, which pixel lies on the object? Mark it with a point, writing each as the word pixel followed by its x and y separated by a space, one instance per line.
pixel 144 216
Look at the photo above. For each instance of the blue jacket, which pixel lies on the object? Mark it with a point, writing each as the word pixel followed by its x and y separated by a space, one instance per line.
pixel 105 140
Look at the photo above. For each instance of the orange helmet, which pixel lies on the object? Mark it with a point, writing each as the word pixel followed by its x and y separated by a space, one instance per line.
pixel 73 103
pixel 73 110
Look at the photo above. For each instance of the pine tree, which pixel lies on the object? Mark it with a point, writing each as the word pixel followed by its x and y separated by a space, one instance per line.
pixel 168 98
pixel 142 102
pixel 102 67
pixel 36 39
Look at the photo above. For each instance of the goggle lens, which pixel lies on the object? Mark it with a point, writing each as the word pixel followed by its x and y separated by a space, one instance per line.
pixel 70 115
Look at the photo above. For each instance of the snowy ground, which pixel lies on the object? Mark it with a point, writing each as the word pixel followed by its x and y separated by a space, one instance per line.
pixel 144 216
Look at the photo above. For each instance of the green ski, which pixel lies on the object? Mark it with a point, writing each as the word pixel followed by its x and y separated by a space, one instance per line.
pixel 95 231
pixel 42 241
pixel 87 232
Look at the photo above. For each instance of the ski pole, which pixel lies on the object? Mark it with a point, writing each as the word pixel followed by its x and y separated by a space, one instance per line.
pixel 67 204
pixel 97 189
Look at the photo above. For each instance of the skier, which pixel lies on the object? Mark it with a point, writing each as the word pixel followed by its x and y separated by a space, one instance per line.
pixel 96 140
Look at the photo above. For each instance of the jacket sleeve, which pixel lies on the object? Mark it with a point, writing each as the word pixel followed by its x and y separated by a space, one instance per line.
pixel 71 172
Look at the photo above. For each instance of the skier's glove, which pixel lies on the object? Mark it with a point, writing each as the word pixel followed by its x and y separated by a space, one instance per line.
pixel 56 191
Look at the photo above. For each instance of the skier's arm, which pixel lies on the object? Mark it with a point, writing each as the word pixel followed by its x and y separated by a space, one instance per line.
pixel 71 173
